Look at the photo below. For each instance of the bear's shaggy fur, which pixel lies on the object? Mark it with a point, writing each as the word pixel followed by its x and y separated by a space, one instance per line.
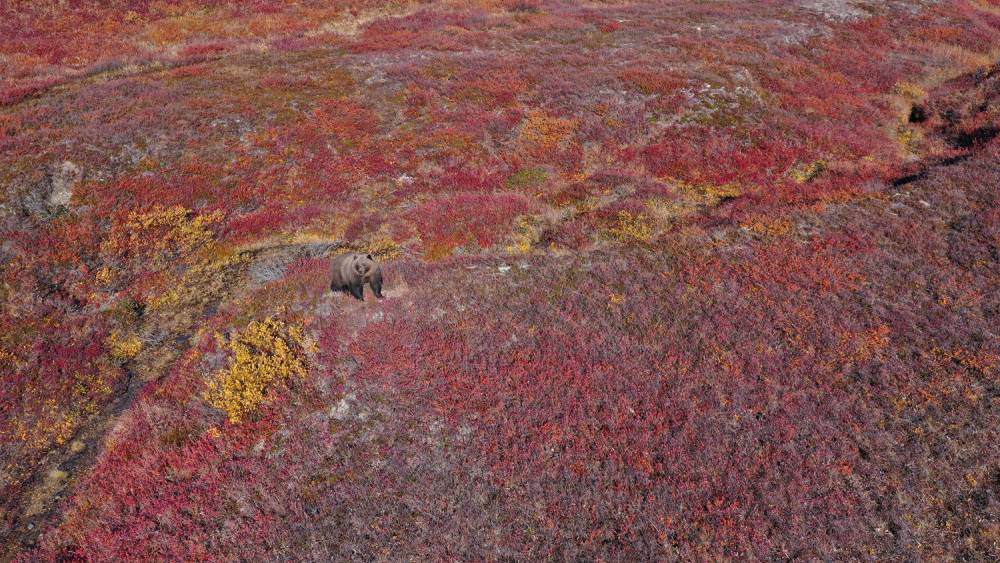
pixel 352 271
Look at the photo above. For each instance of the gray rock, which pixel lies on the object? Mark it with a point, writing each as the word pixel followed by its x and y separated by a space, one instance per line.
pixel 836 10
pixel 342 410
pixel 63 178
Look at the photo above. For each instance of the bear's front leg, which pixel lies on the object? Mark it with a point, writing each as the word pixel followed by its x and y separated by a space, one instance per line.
pixel 358 291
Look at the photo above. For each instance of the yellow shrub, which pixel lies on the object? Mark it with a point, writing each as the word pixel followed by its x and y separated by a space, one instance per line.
pixel 671 211
pixel 910 91
pixel 526 235
pixel 65 428
pixel 441 69
pixel 133 17
pixel 438 251
pixel 267 353
pixel 708 194
pixel 805 172
pixel 542 133
pixel 123 348
pixel 908 137
pixel 768 227
pixel 384 249
pixel 159 235
pixel 105 276
pixel 207 277
pixel 7 359
pixel 632 228
pixel 55 425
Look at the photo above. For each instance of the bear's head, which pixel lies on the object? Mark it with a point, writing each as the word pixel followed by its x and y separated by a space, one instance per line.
pixel 363 264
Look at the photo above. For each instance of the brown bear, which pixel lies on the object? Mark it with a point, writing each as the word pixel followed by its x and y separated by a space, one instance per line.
pixel 352 271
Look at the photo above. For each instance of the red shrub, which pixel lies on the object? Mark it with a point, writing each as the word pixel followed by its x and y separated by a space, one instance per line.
pixel 469 218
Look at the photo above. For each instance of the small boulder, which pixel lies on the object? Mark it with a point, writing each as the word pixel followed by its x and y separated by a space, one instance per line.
pixel 63 178
pixel 342 410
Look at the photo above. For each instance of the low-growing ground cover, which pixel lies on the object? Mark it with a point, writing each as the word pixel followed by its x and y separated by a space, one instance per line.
pixel 666 280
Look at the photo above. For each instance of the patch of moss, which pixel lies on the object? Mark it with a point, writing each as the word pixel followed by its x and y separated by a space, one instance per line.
pixel 527 178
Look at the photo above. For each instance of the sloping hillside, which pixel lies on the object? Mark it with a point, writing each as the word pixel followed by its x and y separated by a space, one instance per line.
pixel 665 280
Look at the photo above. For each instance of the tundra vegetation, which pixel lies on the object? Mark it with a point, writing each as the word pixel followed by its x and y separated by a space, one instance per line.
pixel 666 280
